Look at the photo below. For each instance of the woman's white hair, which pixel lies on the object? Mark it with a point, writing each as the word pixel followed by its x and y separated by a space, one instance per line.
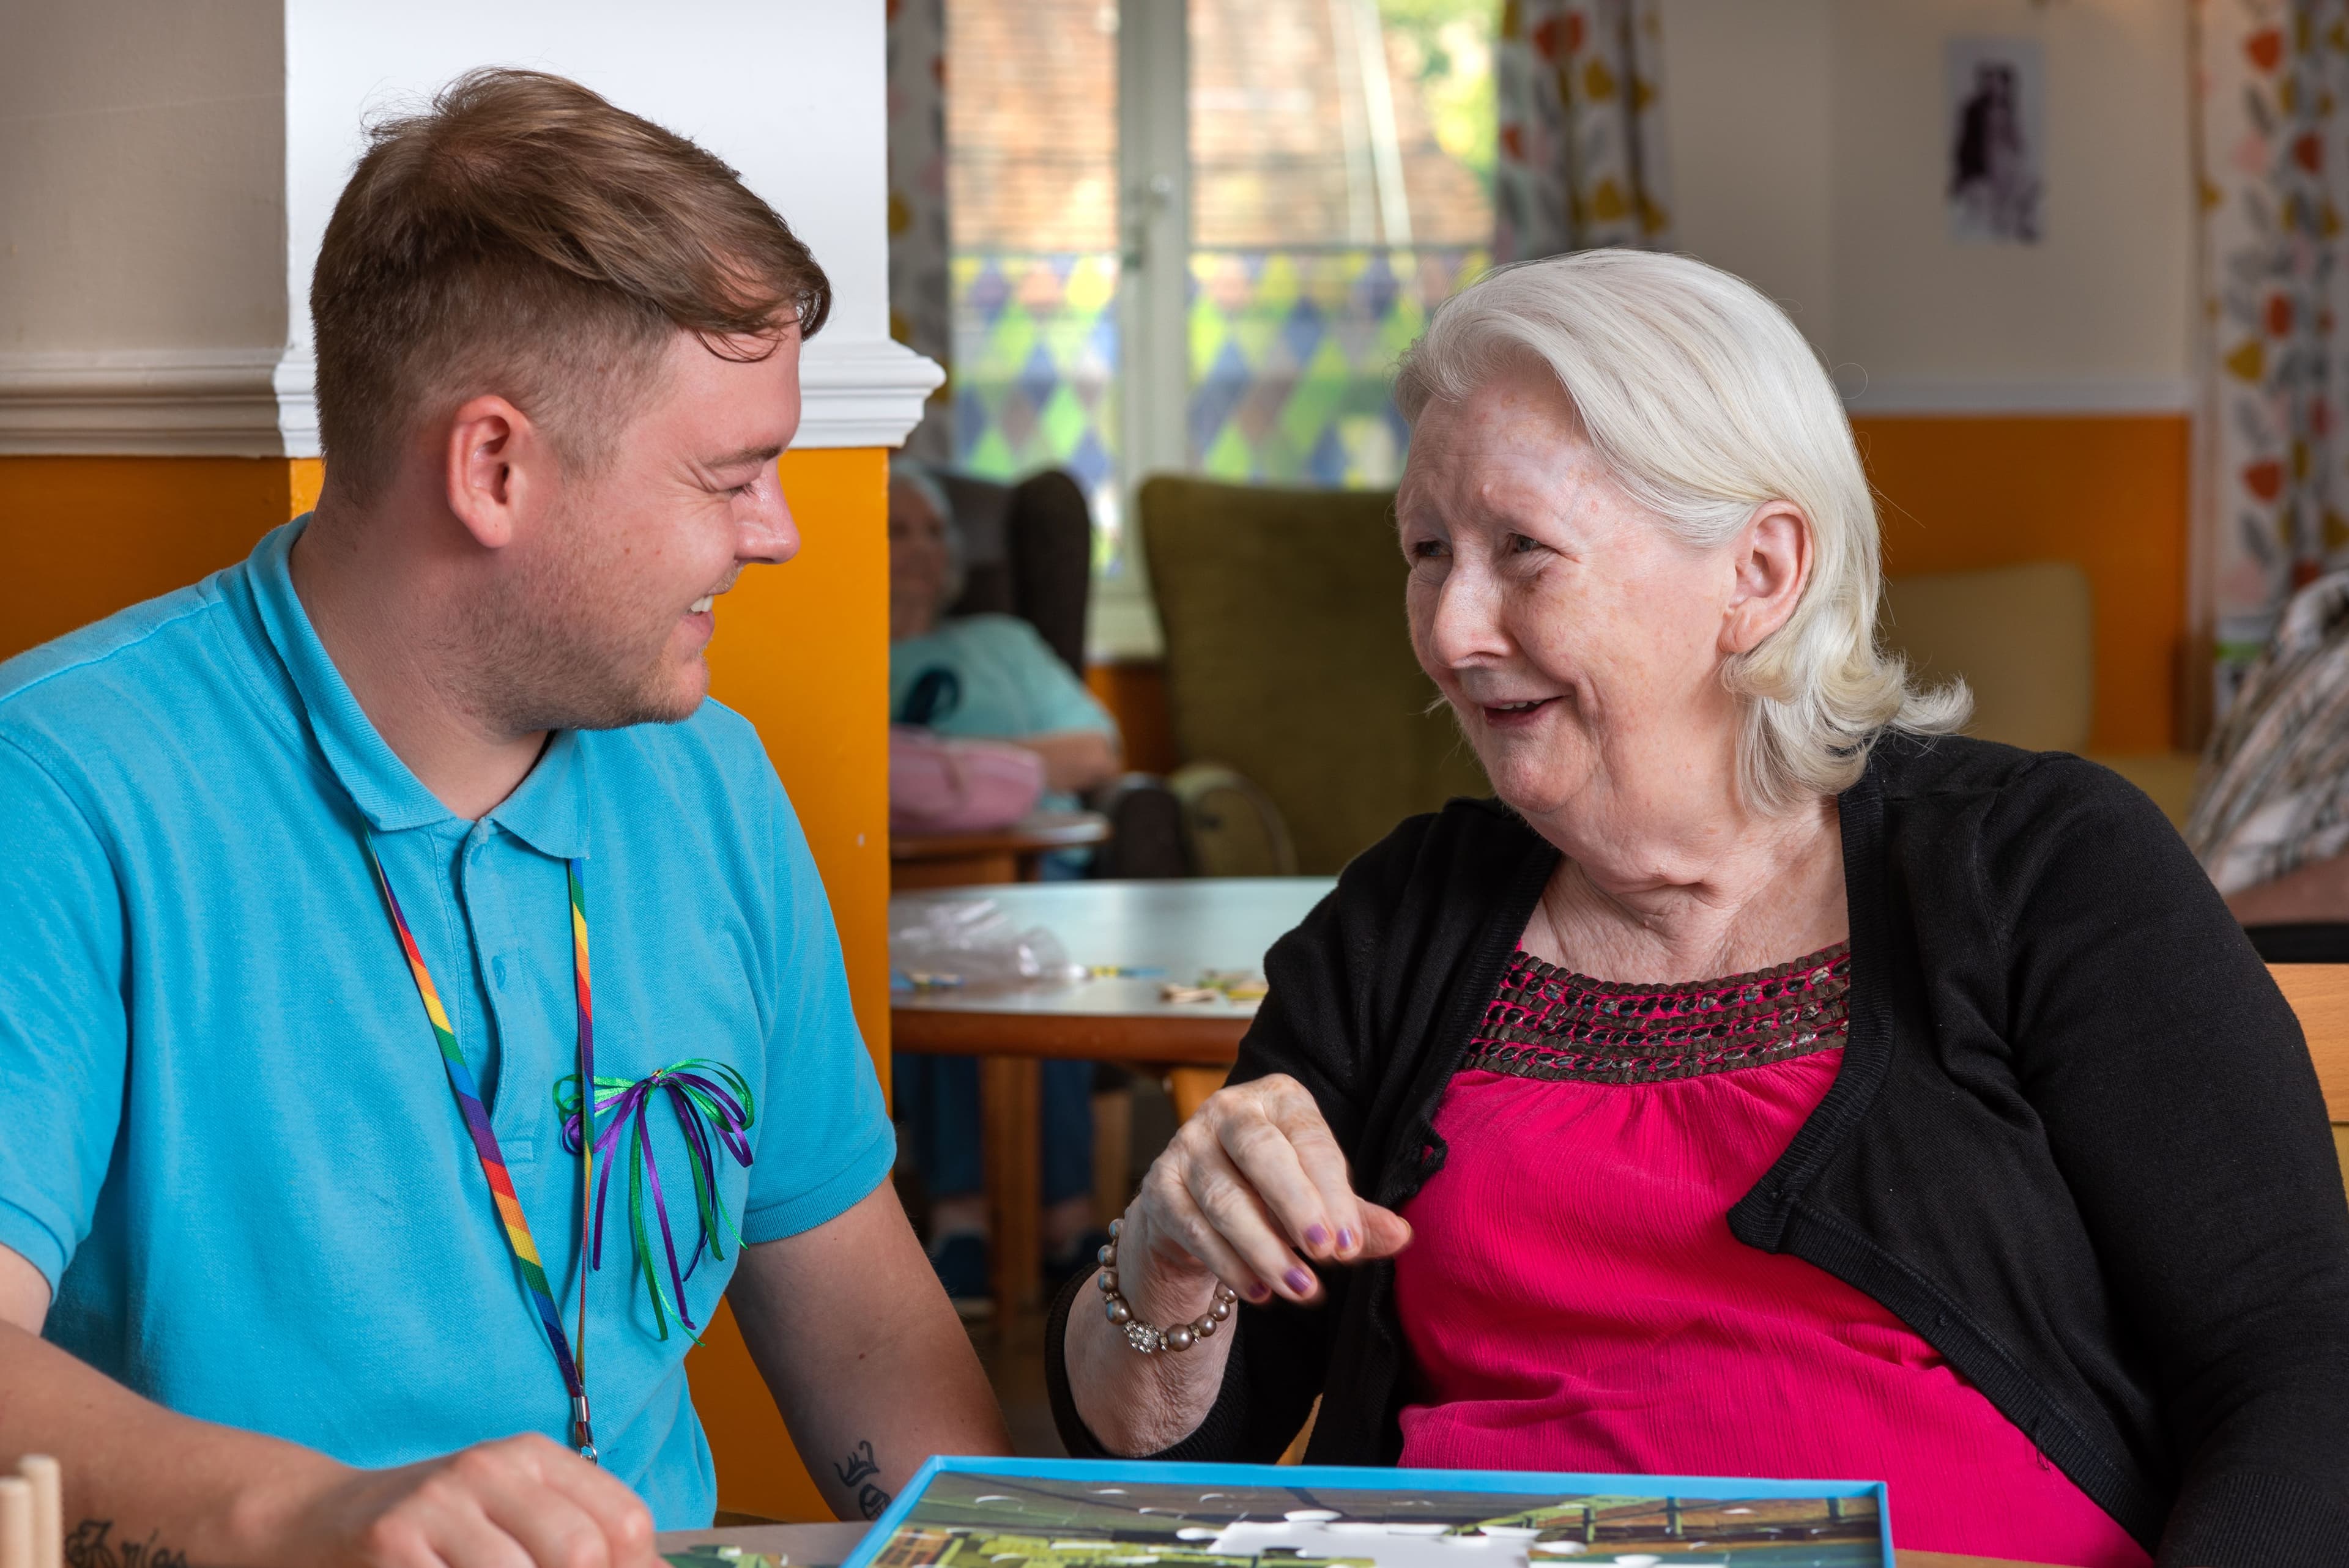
pixel 1705 403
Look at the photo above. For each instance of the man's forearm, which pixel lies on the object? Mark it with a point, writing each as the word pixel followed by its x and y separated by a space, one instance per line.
pixel 864 1353
pixel 2317 893
pixel 1074 760
pixel 145 1487
pixel 897 1402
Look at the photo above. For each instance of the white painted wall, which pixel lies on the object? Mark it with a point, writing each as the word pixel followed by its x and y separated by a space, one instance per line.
pixel 142 166
pixel 167 168
pixel 1749 137
pixel 791 92
pixel 1807 149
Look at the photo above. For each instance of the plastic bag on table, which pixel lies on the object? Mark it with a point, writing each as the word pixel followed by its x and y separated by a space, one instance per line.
pixel 974 943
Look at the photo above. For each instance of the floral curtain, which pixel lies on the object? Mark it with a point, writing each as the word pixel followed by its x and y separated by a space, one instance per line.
pixel 2272 499
pixel 918 313
pixel 1582 137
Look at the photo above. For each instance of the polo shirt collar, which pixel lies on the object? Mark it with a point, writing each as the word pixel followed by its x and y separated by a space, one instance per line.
pixel 547 811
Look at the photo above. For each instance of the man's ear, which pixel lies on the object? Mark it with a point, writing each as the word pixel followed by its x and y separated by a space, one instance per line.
pixel 1772 562
pixel 496 466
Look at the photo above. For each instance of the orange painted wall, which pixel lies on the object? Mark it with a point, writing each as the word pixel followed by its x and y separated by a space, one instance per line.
pixel 801 651
pixel 2108 492
pixel 82 537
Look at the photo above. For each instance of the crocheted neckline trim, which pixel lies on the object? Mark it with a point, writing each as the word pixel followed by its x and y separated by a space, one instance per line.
pixel 1548 1022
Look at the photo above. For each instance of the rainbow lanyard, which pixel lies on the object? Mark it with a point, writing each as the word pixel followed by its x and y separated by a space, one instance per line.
pixel 572 1365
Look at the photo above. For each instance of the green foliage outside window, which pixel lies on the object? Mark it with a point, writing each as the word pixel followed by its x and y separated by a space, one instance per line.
pixel 1447 46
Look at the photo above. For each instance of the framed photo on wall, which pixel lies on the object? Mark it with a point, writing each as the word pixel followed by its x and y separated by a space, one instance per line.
pixel 1995 181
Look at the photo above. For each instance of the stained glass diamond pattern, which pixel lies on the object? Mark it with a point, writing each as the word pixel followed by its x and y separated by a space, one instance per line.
pixel 1035 371
pixel 1292 354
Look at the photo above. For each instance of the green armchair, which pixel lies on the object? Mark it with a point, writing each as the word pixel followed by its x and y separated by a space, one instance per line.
pixel 1288 661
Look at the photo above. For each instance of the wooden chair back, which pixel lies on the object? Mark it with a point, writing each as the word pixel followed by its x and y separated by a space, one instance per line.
pixel 2319 992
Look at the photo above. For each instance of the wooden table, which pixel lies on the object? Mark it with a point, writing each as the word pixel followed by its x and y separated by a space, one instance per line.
pixel 826 1545
pixel 1005 855
pixel 801 1545
pixel 1178 928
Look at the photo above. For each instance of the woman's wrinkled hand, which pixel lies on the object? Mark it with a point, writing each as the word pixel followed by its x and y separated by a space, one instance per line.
pixel 1252 1187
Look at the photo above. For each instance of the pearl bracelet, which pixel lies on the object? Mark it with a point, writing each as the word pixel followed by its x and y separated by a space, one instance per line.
pixel 1147 1338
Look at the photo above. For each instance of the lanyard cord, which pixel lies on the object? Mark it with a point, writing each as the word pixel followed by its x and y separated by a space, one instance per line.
pixel 583 1436
pixel 485 1142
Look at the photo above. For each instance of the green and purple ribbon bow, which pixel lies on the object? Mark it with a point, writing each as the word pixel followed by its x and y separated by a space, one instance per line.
pixel 714 1108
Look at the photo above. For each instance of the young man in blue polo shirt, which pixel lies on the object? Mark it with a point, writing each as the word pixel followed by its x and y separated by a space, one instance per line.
pixel 328 878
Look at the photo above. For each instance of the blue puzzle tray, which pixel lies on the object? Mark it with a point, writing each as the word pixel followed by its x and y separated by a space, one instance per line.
pixel 1078 1513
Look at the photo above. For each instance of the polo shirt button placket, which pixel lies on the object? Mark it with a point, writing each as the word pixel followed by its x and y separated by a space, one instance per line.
pixel 487 919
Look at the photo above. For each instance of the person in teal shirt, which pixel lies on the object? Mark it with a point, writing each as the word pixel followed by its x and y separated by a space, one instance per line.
pixel 988 677
pixel 993 677
pixel 327 875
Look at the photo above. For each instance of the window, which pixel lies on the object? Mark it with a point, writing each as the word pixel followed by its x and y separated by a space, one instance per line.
pixel 1196 236
pixel 1031 201
pixel 1328 215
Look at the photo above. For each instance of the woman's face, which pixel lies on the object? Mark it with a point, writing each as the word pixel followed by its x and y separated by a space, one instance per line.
pixel 1579 642
pixel 918 562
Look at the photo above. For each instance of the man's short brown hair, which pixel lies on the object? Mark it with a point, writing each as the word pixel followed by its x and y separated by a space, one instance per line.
pixel 525 237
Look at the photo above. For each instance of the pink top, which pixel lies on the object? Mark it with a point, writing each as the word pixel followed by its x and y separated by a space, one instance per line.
pixel 1574 1300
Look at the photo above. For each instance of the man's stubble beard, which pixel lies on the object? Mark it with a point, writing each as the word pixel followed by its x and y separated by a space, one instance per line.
pixel 556 647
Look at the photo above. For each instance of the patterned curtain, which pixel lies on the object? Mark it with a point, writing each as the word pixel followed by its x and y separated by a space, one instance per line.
pixel 2272 502
pixel 1582 133
pixel 918 313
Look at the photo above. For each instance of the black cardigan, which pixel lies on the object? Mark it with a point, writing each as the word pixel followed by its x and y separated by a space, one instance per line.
pixel 2075 1142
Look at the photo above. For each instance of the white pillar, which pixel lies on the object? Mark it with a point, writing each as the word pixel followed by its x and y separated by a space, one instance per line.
pixel 171 166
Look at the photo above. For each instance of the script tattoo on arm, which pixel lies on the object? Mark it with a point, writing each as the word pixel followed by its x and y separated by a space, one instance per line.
pixel 857 1470
pixel 87 1547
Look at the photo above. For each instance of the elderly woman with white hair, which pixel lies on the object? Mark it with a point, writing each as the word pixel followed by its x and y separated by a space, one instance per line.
pixel 1770 1081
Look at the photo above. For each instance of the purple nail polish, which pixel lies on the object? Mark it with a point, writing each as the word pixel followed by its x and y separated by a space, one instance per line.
pixel 1345 1240
pixel 1316 1236
pixel 1258 1293
pixel 1298 1281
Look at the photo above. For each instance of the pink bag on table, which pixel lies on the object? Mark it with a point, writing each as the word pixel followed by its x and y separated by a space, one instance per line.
pixel 941 786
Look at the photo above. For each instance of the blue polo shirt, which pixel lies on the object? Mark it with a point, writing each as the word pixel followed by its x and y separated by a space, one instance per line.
pixel 225 1133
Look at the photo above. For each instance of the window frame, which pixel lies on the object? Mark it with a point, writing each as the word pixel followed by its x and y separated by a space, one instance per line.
pixel 1153 225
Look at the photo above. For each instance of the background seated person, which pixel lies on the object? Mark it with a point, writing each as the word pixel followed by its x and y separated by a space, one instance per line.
pixel 992 677
pixel 2270 819
pixel 1772 1081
